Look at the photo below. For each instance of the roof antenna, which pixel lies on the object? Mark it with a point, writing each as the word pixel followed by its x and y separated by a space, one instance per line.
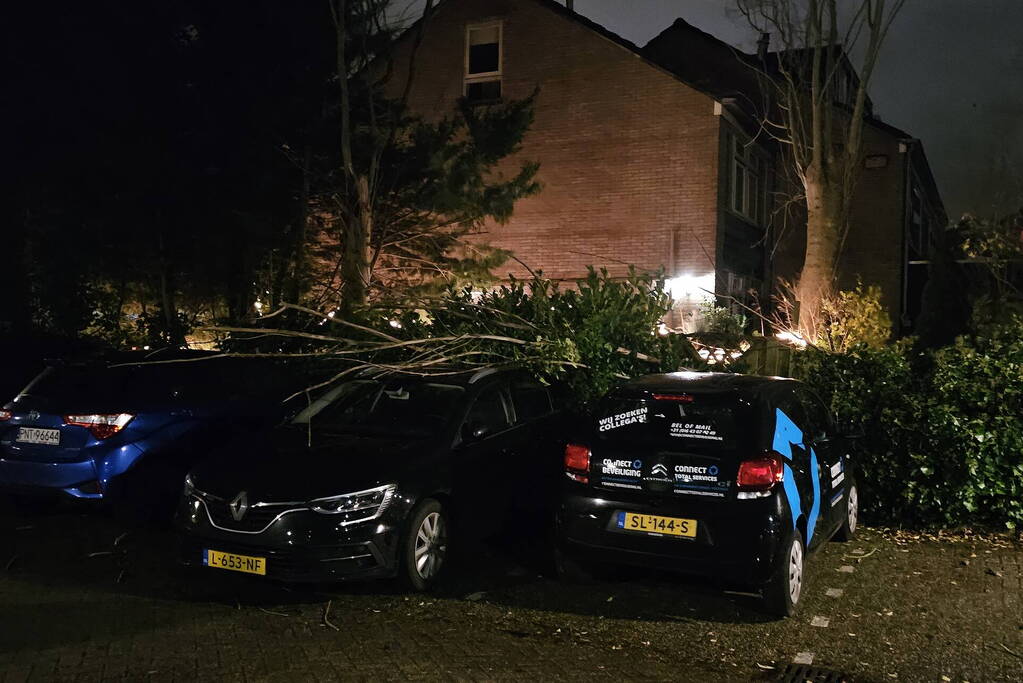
pixel 570 4
pixel 762 45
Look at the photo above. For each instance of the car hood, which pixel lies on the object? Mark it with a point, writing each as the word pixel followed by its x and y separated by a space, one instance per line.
pixel 287 468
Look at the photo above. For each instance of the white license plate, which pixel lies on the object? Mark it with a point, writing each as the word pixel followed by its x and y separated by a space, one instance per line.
pixel 47 437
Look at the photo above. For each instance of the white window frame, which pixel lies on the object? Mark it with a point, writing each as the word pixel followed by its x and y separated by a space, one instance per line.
pixel 489 75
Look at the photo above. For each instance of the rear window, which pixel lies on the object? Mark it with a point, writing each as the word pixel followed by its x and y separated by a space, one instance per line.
pixel 156 384
pixel 399 408
pixel 687 421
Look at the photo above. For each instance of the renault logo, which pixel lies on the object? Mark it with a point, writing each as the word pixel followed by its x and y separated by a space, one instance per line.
pixel 659 468
pixel 239 506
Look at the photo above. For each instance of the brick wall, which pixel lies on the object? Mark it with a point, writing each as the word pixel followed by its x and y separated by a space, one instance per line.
pixel 628 154
pixel 873 249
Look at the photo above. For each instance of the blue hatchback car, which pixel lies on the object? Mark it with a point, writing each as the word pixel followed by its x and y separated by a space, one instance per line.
pixel 129 431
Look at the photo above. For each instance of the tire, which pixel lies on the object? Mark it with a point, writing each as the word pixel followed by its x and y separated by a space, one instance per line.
pixel 148 494
pixel 28 505
pixel 847 531
pixel 570 569
pixel 424 550
pixel 782 593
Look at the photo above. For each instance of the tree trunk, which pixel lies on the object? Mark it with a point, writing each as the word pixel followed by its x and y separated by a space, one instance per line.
pixel 824 223
pixel 295 287
pixel 173 334
pixel 355 267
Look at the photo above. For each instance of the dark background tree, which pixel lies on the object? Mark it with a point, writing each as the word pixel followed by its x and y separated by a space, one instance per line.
pixel 402 192
pixel 175 164
pixel 150 172
pixel 815 107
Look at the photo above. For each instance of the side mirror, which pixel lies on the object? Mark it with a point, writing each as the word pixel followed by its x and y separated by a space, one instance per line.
pixel 472 431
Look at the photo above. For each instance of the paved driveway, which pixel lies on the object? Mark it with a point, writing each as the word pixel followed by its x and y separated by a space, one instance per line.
pixel 81 601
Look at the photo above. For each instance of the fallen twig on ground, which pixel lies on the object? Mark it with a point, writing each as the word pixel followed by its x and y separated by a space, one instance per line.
pixel 326 616
pixel 270 611
pixel 1011 651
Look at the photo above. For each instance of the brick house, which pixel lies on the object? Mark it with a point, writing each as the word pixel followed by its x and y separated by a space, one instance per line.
pixel 646 156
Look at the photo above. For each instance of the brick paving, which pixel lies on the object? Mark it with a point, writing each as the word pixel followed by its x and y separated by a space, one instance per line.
pixel 910 610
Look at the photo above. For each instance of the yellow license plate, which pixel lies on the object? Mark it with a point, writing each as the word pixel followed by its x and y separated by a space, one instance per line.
pixel 652 524
pixel 234 563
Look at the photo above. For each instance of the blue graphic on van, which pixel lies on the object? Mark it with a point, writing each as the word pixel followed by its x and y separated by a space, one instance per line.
pixel 815 506
pixel 786 434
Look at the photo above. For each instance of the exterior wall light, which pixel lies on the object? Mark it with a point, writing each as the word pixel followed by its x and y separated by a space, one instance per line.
pixel 689 287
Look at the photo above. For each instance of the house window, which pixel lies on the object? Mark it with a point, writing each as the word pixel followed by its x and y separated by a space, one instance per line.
pixel 747 173
pixel 483 61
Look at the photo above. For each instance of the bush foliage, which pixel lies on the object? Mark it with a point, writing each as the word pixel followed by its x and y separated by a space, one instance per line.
pixel 588 335
pixel 942 430
pixel 853 317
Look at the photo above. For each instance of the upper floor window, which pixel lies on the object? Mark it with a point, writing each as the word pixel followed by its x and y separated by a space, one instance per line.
pixel 747 178
pixel 483 61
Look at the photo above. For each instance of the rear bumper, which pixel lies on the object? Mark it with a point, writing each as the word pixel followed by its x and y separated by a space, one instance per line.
pixel 93 476
pixel 736 542
pixel 74 479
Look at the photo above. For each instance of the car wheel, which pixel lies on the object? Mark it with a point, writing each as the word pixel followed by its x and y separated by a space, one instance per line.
pixel 781 595
pixel 570 569
pixel 425 549
pixel 29 505
pixel 147 494
pixel 847 531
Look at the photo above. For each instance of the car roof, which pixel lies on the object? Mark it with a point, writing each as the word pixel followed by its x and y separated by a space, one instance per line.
pixel 444 375
pixel 704 382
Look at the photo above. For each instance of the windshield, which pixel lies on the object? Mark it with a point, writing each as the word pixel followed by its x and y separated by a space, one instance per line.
pixel 695 421
pixel 396 407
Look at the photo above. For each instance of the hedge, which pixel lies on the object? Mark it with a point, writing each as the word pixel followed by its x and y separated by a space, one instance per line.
pixel 942 430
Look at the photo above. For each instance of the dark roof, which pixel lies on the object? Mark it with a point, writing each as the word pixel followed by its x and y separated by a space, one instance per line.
pixel 700 382
pixel 704 61
pixel 446 374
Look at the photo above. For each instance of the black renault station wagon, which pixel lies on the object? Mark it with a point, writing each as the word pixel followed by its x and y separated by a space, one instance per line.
pixel 376 478
pixel 735 477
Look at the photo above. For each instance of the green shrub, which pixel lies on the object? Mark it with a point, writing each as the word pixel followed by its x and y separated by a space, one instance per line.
pixel 942 431
pixel 720 320
pixel 854 317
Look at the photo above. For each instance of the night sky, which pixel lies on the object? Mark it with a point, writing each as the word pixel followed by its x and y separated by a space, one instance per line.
pixel 951 74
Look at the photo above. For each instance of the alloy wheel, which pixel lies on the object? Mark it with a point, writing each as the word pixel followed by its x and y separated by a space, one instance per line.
pixel 431 546
pixel 853 509
pixel 795 571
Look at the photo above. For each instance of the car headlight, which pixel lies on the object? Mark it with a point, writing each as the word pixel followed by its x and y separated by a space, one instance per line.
pixel 355 507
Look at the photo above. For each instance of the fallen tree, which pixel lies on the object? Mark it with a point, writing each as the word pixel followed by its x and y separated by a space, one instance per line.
pixel 588 335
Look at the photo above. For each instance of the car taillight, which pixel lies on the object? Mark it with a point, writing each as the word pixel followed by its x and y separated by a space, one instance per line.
pixel 100 426
pixel 5 415
pixel 577 463
pixel 678 398
pixel 760 474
